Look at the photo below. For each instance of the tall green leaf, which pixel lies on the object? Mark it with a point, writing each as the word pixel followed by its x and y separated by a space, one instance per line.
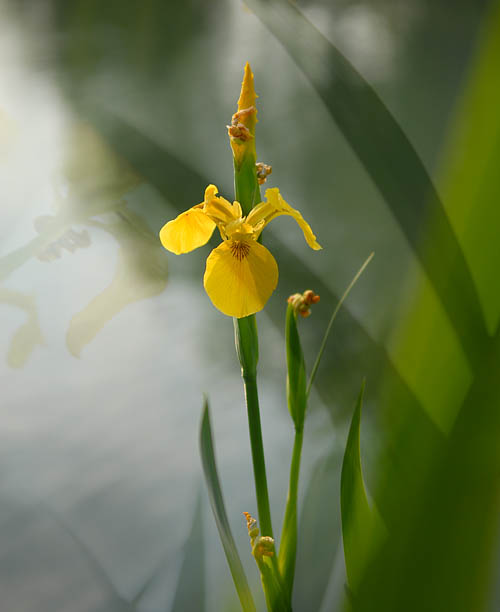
pixel 357 518
pixel 220 515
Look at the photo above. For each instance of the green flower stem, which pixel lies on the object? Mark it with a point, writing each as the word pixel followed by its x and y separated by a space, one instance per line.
pixel 247 348
pixel 259 465
pixel 288 547
pixel 246 187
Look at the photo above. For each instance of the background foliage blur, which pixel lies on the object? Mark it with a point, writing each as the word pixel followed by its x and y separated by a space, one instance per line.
pixel 112 119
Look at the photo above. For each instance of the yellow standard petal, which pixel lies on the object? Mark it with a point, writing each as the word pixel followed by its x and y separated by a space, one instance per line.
pixel 276 206
pixel 190 230
pixel 240 277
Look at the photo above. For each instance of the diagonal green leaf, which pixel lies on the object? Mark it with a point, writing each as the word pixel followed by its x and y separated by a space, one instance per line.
pixel 444 498
pixel 331 321
pixel 355 510
pixel 390 160
pixel 219 510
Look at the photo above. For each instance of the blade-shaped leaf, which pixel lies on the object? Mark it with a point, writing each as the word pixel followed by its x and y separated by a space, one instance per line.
pixel 219 510
pixel 357 517
pixel 390 160
pixel 444 498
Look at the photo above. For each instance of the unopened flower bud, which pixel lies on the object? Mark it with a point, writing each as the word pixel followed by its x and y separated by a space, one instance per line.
pixel 302 302
pixel 239 132
pixel 264 547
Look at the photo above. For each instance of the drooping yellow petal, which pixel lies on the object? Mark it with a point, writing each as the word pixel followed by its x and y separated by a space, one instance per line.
pixel 210 192
pixel 240 277
pixel 190 230
pixel 276 206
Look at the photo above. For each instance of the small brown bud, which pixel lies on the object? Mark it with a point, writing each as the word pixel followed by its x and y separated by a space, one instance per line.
pixel 239 132
pixel 263 171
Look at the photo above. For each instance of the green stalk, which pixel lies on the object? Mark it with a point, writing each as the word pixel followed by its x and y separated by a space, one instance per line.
pixel 247 192
pixel 247 347
pixel 288 546
pixel 259 465
pixel 246 187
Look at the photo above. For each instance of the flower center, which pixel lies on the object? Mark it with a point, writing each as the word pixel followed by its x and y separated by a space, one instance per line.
pixel 239 249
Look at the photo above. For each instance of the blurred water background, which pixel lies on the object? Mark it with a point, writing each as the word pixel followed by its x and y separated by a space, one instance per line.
pixel 112 120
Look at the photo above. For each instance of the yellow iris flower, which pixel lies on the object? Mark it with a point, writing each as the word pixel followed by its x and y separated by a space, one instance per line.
pixel 241 273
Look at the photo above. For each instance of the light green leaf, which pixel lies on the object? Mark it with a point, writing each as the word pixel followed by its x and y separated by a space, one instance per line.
pixel 357 517
pixel 220 515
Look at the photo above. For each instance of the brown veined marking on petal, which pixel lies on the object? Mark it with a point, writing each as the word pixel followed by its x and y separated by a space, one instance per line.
pixel 239 249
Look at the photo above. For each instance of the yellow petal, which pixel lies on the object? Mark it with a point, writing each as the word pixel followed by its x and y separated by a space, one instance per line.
pixel 240 277
pixel 276 206
pixel 210 192
pixel 190 230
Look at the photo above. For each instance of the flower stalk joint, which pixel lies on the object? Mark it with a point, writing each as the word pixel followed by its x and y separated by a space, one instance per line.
pixel 263 171
pixel 262 546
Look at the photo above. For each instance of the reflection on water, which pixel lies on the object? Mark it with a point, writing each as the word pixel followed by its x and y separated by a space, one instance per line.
pixel 89 190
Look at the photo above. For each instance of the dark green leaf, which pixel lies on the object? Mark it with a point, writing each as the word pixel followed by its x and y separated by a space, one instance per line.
pixel 296 370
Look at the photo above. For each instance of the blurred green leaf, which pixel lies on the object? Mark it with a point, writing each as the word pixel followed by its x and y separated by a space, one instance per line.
pixel 190 592
pixel 319 533
pixel 220 515
pixel 441 494
pixel 389 159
